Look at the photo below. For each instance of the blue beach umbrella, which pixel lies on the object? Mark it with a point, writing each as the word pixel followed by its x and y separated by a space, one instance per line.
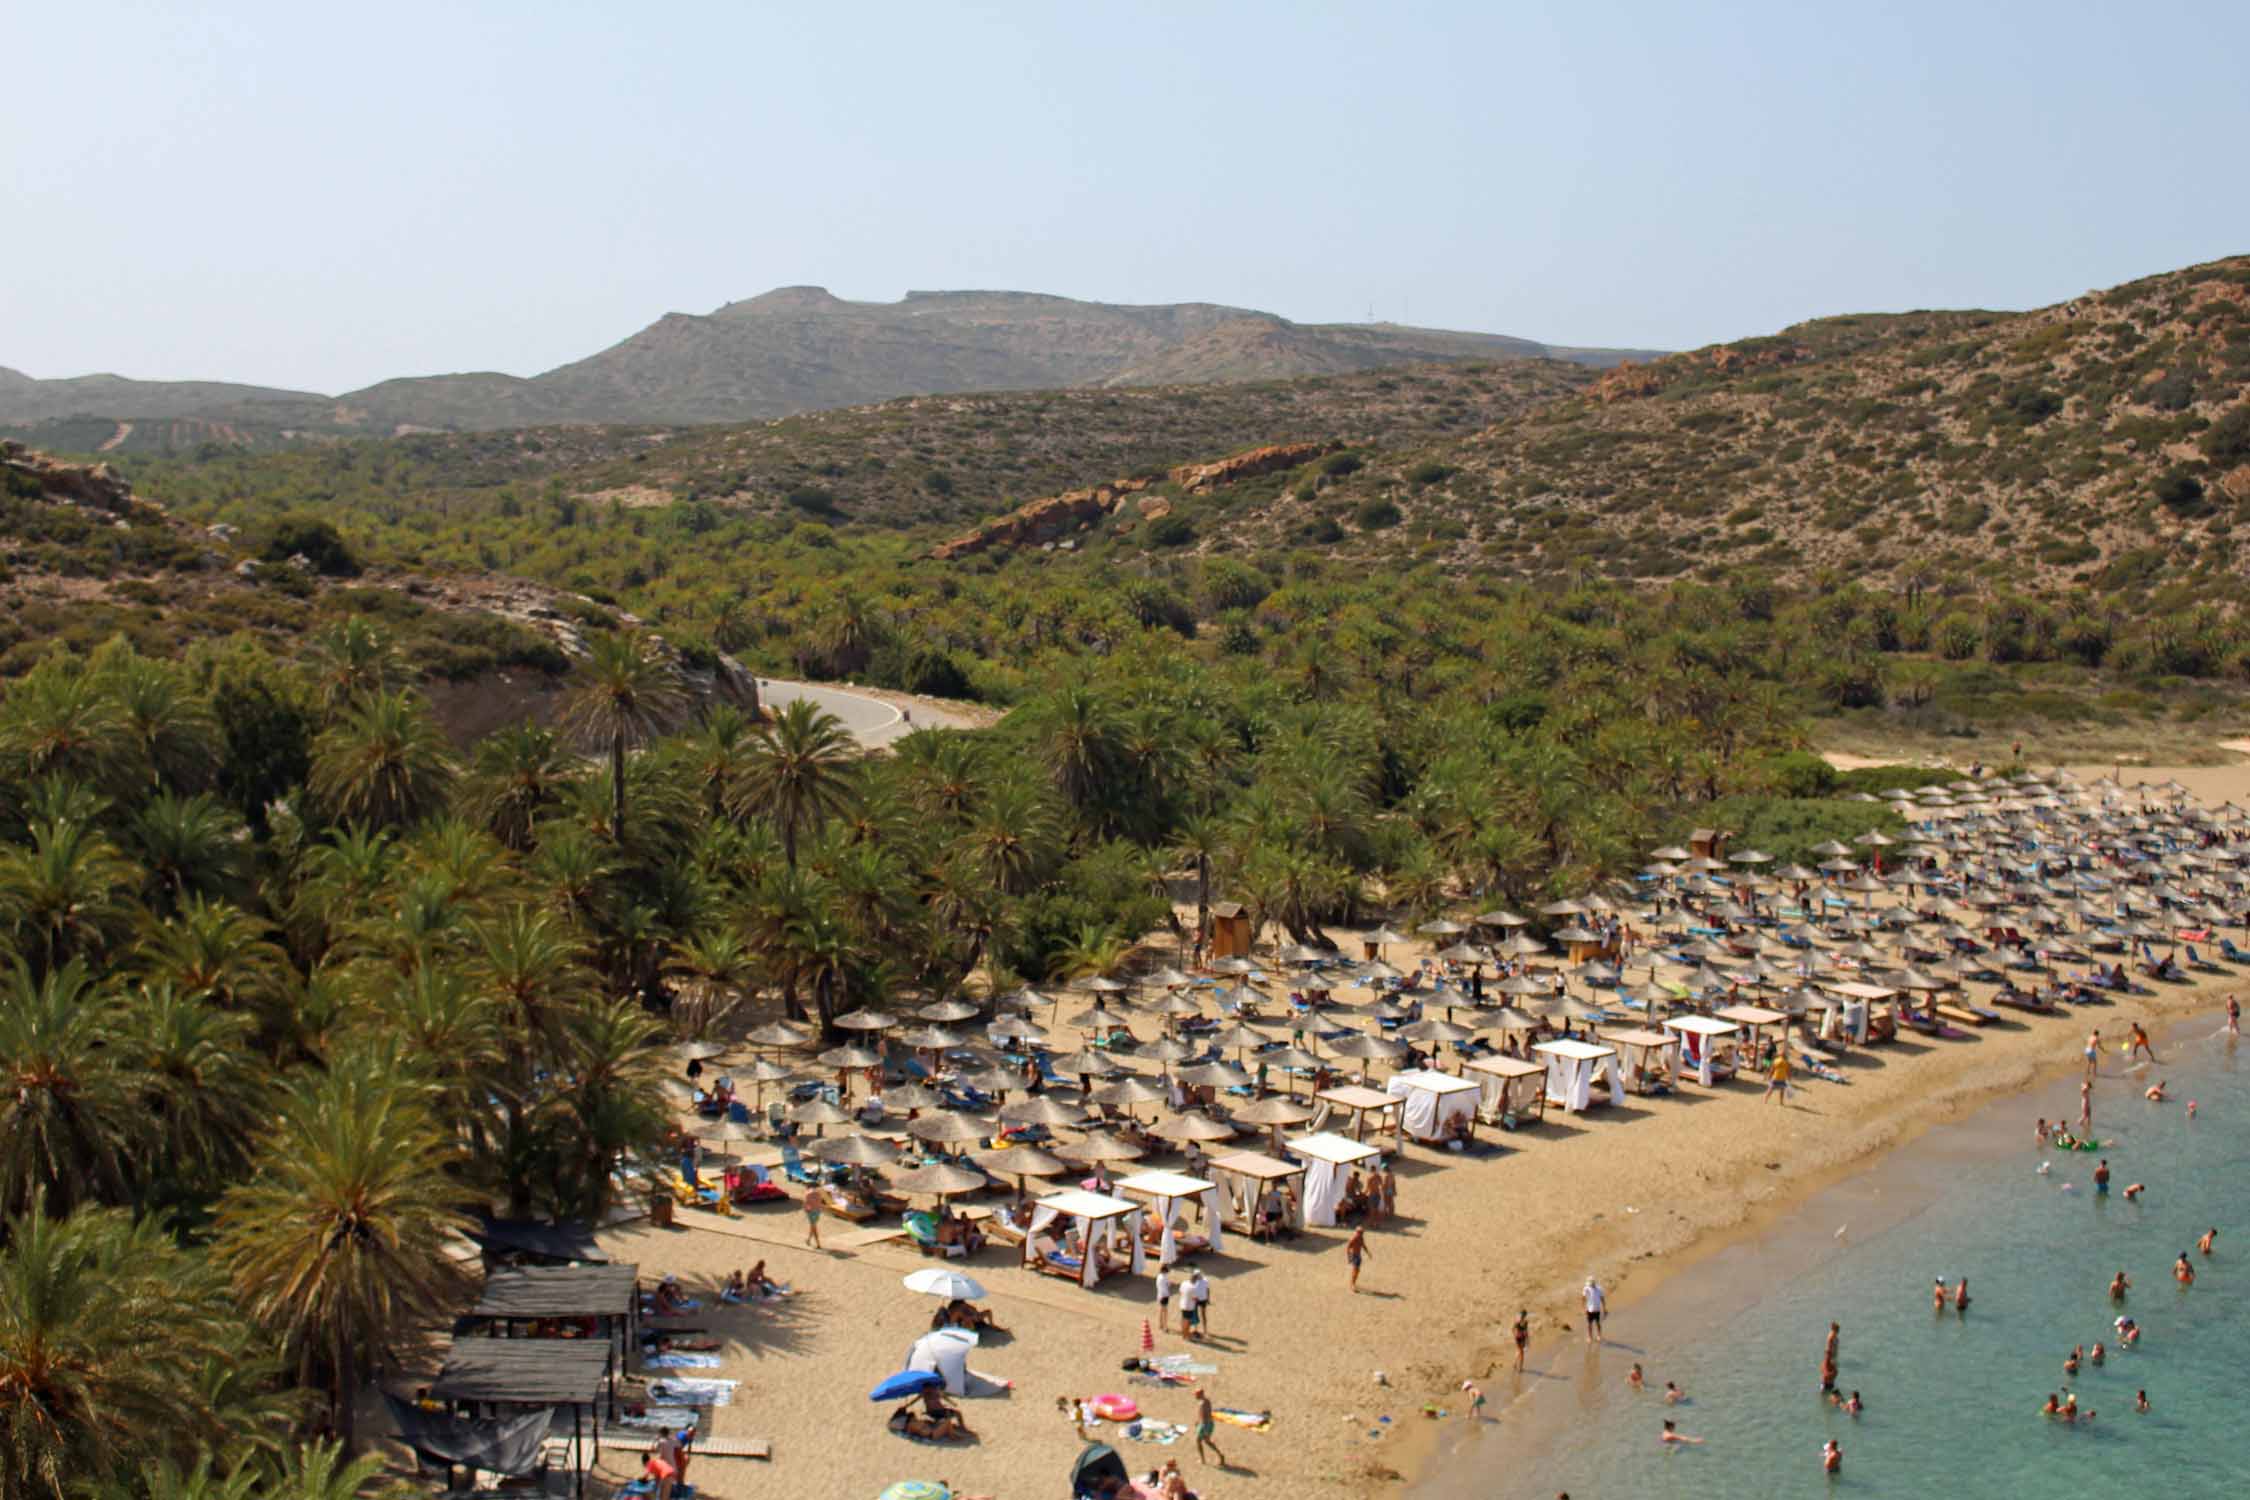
pixel 905 1383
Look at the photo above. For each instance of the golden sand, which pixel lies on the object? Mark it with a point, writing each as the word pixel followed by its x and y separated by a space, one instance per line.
pixel 1626 1193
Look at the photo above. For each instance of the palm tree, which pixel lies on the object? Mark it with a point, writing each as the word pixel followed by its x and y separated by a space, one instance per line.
pixel 1079 737
pixel 57 720
pixel 611 1105
pixel 718 752
pixel 1015 836
pixel 108 1332
pixel 799 773
pixel 168 725
pixel 71 1122
pixel 527 965
pixel 383 765
pixel 353 663
pixel 194 844
pixel 215 951
pixel 202 1089
pixel 713 966
pixel 337 1247
pixel 626 692
pixel 515 776
pixel 68 895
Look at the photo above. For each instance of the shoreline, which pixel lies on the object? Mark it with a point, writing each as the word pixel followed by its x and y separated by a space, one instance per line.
pixel 1895 1175
pixel 1639 1193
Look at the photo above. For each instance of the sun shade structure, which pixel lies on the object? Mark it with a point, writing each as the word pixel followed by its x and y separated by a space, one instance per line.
pixel 1651 1058
pixel 1098 1221
pixel 536 1240
pixel 1246 1177
pixel 1171 1197
pixel 1509 1088
pixel 536 1292
pixel 1363 1104
pixel 1574 1071
pixel 1328 1163
pixel 1434 1107
pixel 515 1374
pixel 1707 1047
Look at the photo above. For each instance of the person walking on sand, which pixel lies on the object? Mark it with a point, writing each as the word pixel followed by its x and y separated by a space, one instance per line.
pixel 815 1200
pixel 1205 1426
pixel 1200 1290
pixel 1164 1299
pixel 1596 1305
pixel 1522 1333
pixel 1355 1251
pixel 1777 1082
pixel 2093 1052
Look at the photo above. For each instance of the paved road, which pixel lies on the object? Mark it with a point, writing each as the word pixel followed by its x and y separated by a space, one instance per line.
pixel 871 721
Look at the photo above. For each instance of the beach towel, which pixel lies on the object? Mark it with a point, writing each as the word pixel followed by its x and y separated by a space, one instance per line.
pixel 1256 1421
pixel 1149 1430
pixel 690 1392
pixel 1180 1364
pixel 659 1418
pixel 681 1362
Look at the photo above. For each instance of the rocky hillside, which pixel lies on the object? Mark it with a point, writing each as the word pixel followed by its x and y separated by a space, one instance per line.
pixel 793 350
pixel 83 558
pixel 2103 441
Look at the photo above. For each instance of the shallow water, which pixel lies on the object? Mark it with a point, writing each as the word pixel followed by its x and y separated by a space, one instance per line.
pixel 1952 1402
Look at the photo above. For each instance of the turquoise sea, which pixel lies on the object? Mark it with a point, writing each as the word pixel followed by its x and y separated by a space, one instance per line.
pixel 1952 1402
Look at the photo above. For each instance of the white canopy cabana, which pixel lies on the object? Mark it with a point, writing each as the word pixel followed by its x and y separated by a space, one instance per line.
pixel 1329 1160
pixel 1859 999
pixel 1432 1103
pixel 1510 1087
pixel 1169 1196
pixel 1651 1058
pixel 1098 1219
pixel 1755 1019
pixel 1705 1046
pixel 1363 1102
pixel 1246 1177
pixel 1573 1069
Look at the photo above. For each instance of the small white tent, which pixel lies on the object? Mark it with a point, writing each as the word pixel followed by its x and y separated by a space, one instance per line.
pixel 1170 1196
pixel 1652 1058
pixel 1706 1047
pixel 1246 1177
pixel 1329 1160
pixel 1433 1102
pixel 1099 1220
pixel 1573 1067
pixel 1512 1087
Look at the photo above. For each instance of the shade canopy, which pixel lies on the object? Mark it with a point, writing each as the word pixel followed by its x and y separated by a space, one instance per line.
pixel 524 1372
pixel 558 1292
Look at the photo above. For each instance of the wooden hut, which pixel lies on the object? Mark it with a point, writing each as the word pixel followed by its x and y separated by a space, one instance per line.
pixel 1230 930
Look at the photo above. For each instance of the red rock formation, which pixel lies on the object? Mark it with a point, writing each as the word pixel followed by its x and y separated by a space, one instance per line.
pixel 1198 479
pixel 97 485
pixel 1042 520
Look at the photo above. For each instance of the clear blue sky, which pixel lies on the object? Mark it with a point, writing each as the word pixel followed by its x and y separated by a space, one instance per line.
pixel 322 196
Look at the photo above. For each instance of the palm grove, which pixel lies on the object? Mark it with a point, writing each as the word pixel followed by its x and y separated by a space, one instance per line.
pixel 294 985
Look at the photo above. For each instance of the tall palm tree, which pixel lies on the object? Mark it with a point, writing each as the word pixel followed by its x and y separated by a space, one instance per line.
pixel 213 950
pixel 337 1247
pixel 193 844
pixel 57 720
pixel 610 1106
pixel 625 693
pixel 168 725
pixel 1014 835
pixel 516 775
pixel 202 1089
pixel 352 662
pixel 69 894
pixel 384 764
pixel 107 1333
pixel 1078 735
pixel 71 1117
pixel 717 754
pixel 799 774
pixel 527 964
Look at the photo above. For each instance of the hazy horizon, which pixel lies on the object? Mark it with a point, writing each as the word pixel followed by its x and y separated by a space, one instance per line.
pixel 304 199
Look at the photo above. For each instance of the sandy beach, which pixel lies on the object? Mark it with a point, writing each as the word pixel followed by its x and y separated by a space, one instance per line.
pixel 1627 1193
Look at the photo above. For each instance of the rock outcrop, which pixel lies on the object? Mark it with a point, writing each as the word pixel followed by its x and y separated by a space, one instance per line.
pixel 1056 517
pixel 95 485
pixel 1199 479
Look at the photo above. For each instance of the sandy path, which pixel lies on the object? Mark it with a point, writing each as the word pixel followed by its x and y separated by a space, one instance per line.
pixel 1619 1192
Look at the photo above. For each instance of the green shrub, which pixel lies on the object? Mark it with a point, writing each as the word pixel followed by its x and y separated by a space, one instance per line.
pixel 315 540
pixel 1429 471
pixel 2181 493
pixel 2226 442
pixel 1376 515
pixel 1340 465
pixel 1172 530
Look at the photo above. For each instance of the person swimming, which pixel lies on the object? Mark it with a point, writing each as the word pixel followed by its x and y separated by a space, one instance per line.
pixel 2070 1363
pixel 2128 1332
pixel 1671 1434
pixel 1673 1395
pixel 1634 1378
pixel 2182 1272
pixel 2096 1356
pixel 2133 1191
pixel 2140 1401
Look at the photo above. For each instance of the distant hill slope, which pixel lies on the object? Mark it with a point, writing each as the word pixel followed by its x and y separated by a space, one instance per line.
pixel 2105 440
pixel 793 350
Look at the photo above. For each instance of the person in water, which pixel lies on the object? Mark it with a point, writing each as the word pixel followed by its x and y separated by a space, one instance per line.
pixel 2204 1244
pixel 1961 1296
pixel 1937 1295
pixel 1634 1378
pixel 2182 1272
pixel 1672 1434
pixel 1832 1457
pixel 2140 1401
pixel 2118 1287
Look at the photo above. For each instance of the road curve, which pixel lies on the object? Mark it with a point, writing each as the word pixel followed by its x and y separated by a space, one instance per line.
pixel 871 721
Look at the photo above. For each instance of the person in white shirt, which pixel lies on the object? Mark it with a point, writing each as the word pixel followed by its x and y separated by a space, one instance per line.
pixel 1164 1298
pixel 1200 1289
pixel 1596 1304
